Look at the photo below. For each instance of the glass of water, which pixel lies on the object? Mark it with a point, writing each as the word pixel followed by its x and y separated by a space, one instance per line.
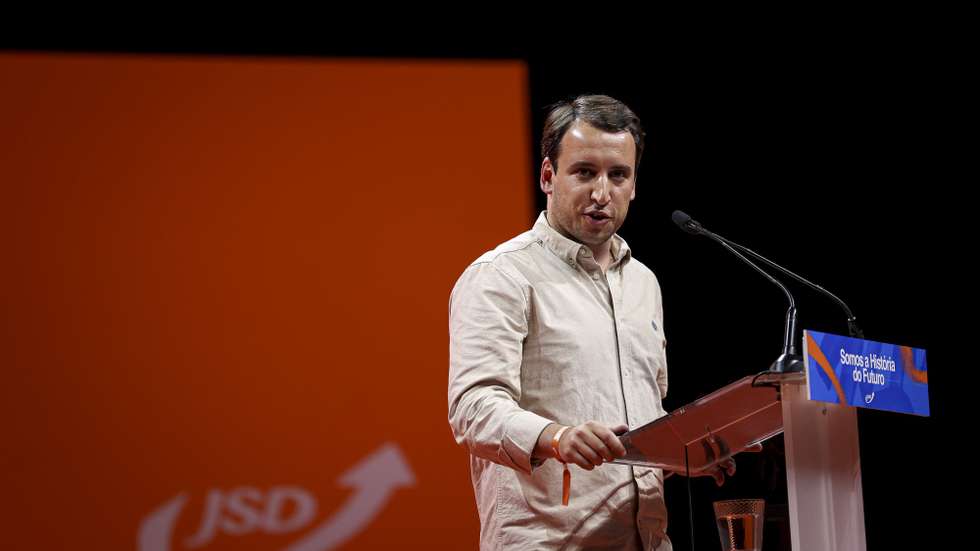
pixel 740 524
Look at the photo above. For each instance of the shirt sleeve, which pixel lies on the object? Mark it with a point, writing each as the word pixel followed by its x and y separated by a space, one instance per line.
pixel 488 315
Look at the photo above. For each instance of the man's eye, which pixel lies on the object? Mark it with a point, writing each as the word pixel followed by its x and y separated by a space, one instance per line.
pixel 585 172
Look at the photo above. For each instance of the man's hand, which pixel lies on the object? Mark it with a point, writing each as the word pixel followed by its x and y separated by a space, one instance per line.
pixel 590 444
pixel 725 467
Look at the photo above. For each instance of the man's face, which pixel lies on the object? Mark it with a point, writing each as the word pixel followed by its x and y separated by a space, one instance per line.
pixel 591 189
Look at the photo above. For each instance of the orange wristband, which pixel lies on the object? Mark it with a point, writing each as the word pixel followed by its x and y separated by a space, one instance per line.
pixel 566 476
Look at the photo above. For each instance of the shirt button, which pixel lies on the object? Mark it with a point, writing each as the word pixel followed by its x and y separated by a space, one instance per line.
pixel 595 276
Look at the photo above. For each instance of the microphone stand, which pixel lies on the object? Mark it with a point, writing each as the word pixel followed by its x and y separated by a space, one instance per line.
pixel 789 361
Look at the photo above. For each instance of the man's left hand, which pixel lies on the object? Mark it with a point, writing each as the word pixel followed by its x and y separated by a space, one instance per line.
pixel 725 467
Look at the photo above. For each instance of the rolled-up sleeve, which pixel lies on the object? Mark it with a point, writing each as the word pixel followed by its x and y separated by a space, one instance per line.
pixel 488 313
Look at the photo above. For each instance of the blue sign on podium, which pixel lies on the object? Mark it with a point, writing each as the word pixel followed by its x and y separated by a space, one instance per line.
pixel 867 374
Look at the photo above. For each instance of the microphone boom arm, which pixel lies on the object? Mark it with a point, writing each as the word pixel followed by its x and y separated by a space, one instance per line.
pixel 789 360
pixel 852 327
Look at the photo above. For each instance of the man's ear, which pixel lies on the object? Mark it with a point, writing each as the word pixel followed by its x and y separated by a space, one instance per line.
pixel 547 176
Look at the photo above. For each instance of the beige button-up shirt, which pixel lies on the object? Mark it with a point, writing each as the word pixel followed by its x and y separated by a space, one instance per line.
pixel 539 334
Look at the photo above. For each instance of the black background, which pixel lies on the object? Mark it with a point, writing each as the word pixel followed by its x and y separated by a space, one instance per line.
pixel 837 164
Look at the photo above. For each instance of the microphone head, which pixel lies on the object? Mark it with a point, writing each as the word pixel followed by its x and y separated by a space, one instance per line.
pixel 685 222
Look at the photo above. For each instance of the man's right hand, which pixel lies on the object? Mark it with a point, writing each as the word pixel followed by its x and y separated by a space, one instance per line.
pixel 590 444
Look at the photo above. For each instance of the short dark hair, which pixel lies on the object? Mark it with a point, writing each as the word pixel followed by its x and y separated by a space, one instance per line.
pixel 603 112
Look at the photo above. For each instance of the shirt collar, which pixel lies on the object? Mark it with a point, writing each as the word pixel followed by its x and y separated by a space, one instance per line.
pixel 569 250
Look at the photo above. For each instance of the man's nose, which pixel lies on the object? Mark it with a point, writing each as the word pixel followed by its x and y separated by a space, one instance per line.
pixel 600 190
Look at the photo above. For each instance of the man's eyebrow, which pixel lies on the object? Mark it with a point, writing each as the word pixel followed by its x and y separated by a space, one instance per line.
pixel 588 163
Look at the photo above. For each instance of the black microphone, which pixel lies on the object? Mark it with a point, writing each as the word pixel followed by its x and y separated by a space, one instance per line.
pixel 691 226
pixel 789 360
pixel 686 223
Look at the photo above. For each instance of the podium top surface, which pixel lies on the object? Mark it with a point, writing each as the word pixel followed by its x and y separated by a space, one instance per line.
pixel 712 428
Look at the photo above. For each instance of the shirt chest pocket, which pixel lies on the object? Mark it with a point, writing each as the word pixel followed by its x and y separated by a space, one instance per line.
pixel 649 348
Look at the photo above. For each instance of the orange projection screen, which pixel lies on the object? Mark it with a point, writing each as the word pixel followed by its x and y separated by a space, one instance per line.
pixel 225 295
